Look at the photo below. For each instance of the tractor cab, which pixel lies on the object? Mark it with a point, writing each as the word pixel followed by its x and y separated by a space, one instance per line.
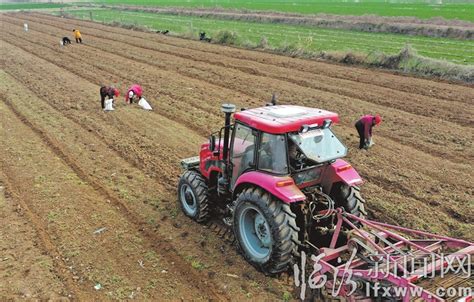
pixel 283 139
pixel 280 141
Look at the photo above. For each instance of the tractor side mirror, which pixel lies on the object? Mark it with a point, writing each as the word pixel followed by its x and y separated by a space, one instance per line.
pixel 212 143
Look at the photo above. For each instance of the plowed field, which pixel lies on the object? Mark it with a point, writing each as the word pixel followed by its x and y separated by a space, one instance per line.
pixel 68 169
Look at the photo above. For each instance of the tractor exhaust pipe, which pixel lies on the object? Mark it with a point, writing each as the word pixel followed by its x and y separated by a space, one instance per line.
pixel 223 182
pixel 228 109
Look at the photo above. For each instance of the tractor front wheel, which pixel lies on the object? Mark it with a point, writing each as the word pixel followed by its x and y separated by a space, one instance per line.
pixel 266 230
pixel 193 196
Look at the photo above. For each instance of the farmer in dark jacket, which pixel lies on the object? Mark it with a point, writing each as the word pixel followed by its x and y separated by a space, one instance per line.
pixel 109 93
pixel 66 41
pixel 364 128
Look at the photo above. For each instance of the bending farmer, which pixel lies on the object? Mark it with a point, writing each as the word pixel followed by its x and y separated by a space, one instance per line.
pixel 364 128
pixel 66 41
pixel 109 93
pixel 133 94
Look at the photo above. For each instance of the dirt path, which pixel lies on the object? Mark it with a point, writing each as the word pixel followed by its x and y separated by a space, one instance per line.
pixel 83 169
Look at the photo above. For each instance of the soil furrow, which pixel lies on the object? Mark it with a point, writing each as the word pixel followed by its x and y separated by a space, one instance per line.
pixel 384 96
pixel 160 244
pixel 358 75
pixel 427 146
pixel 59 266
pixel 137 188
pixel 418 173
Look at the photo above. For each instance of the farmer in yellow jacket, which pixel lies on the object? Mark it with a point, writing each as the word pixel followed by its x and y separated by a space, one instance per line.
pixel 77 35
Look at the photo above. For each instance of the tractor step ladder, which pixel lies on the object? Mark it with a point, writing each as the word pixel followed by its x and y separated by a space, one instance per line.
pixel 190 162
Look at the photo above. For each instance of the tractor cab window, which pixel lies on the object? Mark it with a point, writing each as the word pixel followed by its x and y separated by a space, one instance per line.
pixel 272 154
pixel 243 150
pixel 320 145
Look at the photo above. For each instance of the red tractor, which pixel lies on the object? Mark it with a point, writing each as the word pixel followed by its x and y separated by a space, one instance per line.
pixel 272 177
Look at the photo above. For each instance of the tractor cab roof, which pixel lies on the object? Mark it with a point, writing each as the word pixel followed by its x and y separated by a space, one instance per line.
pixel 284 118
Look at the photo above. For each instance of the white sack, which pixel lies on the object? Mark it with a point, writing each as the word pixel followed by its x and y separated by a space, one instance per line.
pixel 109 105
pixel 144 104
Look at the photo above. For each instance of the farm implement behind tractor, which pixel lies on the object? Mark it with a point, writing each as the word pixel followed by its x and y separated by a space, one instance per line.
pixel 387 263
pixel 276 177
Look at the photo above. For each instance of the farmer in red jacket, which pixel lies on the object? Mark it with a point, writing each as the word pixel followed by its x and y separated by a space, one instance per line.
pixel 364 127
pixel 134 93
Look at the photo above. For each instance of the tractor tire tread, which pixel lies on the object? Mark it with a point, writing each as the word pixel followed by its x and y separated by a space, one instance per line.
pixel 282 226
pixel 199 185
pixel 351 199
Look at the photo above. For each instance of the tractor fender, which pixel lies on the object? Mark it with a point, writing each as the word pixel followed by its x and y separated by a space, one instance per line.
pixel 282 187
pixel 340 171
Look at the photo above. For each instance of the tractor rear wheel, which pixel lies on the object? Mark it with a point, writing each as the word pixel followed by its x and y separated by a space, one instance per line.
pixel 193 196
pixel 266 231
pixel 349 198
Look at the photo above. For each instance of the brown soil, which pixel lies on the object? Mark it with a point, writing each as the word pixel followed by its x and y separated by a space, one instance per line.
pixel 69 169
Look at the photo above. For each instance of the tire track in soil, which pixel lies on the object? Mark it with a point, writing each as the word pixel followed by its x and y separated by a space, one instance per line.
pixel 23 271
pixel 399 140
pixel 155 241
pixel 59 266
pixel 353 90
pixel 336 71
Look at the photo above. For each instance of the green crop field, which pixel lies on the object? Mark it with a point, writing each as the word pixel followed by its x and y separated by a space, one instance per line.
pixel 16 6
pixel 307 38
pixel 461 9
